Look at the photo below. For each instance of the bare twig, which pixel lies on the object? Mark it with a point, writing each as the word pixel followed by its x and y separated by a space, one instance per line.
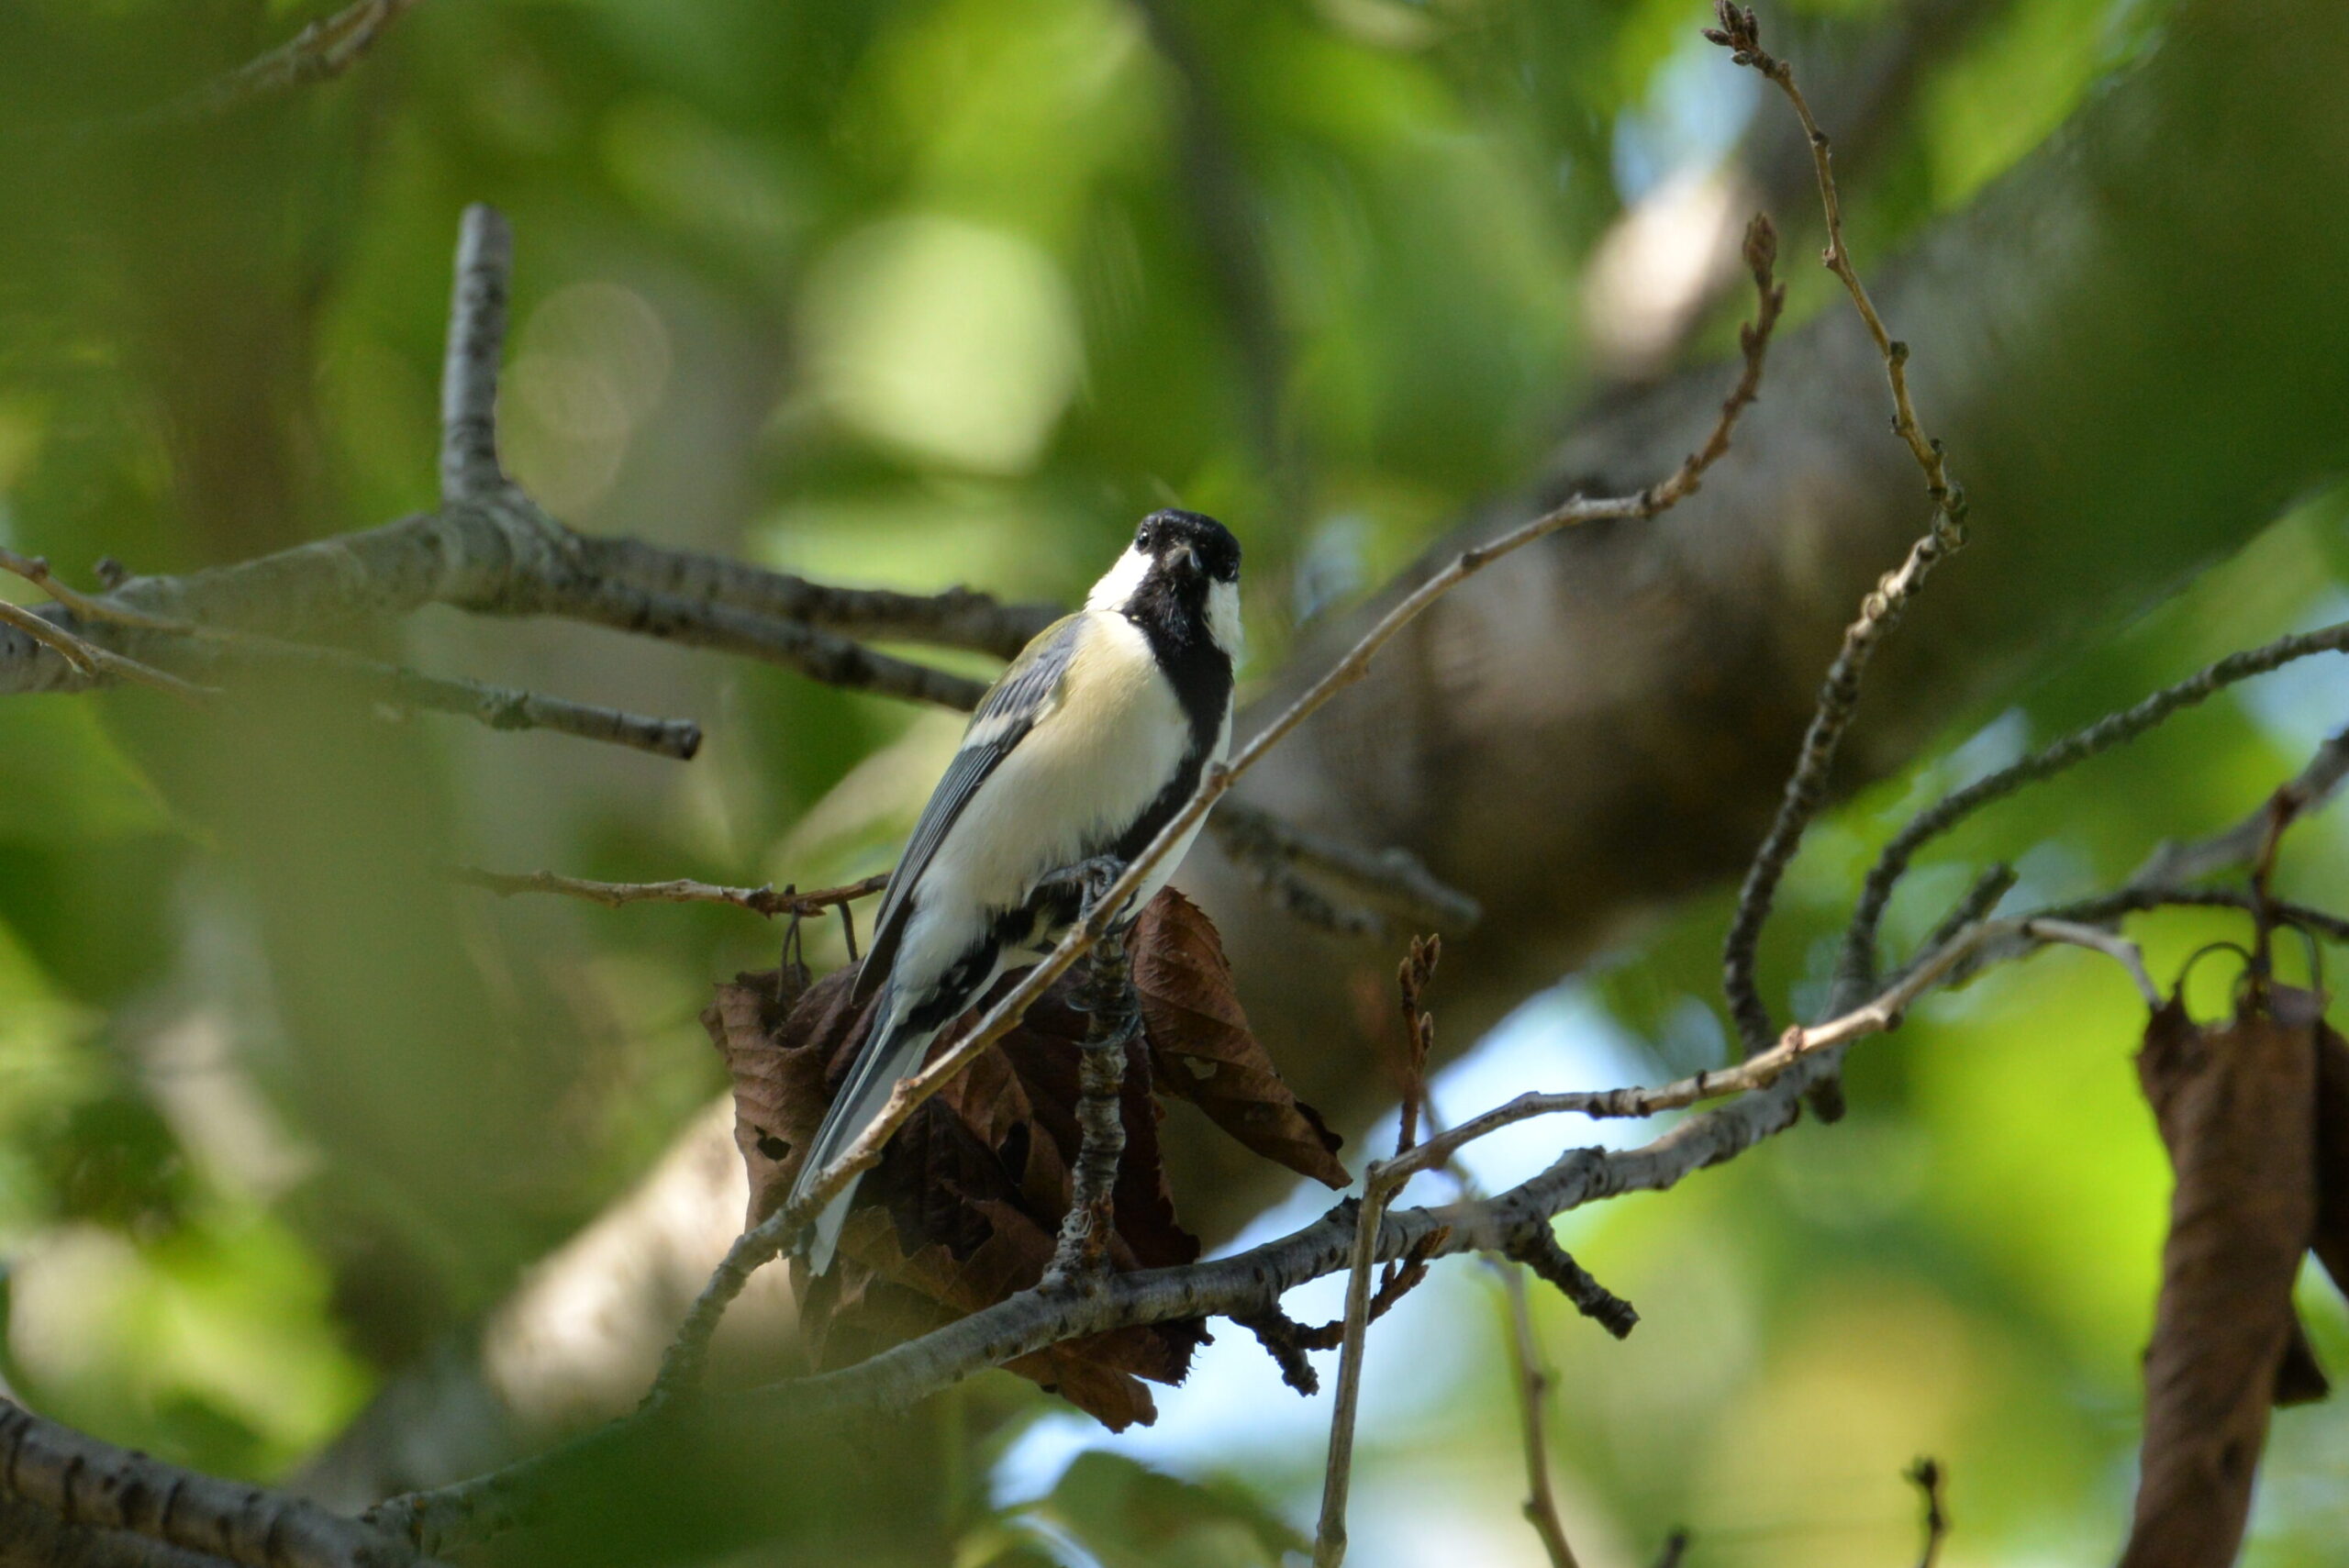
pixel 2124 953
pixel 1879 613
pixel 1742 36
pixel 1390 879
pixel 321 50
pixel 478 295
pixel 96 662
pixel 1675 1547
pixel 1533 1379
pixel 1929 1478
pixel 80 1480
pixel 499 707
pixel 1412 978
pixel 1082 1251
pixel 1539 1250
pixel 762 900
pixel 762 1242
pixel 1283 1339
pixel 1380 1184
pixel 956 618
pixel 1338 1468
pixel 1856 962
pixel 1980 899
pixel 2173 865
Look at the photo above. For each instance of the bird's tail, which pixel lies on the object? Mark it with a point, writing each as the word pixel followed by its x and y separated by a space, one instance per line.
pixel 894 1053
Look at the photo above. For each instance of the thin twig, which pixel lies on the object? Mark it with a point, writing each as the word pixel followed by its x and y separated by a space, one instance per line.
pixel 1533 1379
pixel 478 294
pixel 1675 1547
pixel 1879 613
pixel 761 900
pixel 1411 978
pixel 1739 34
pixel 762 1243
pixel 1338 1468
pixel 1538 1249
pixel 2125 953
pixel 1929 1478
pixel 1980 899
pixel 98 663
pixel 1857 960
pixel 323 50
pixel 2310 788
pixel 566 581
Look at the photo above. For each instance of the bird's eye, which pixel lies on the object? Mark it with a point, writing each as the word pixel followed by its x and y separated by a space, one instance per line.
pixel 1142 537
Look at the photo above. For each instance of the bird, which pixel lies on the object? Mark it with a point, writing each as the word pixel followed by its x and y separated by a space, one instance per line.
pixel 1089 744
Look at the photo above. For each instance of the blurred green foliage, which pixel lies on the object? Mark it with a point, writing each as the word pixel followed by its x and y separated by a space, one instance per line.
pixel 926 290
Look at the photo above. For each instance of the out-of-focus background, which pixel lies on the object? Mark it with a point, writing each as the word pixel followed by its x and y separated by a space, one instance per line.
pixel 933 290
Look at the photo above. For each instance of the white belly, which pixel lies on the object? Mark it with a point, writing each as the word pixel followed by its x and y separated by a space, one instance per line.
pixel 1067 791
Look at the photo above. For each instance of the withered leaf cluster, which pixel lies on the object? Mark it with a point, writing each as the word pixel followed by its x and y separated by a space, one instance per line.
pixel 2255 1112
pixel 963 1208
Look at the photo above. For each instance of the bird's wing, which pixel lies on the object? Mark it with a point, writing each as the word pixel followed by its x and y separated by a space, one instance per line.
pixel 1027 691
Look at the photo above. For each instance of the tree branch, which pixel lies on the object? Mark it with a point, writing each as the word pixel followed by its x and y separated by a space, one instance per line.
pixel 321 50
pixel 490 549
pixel 762 900
pixel 1838 696
pixel 79 1480
pixel 1856 964
pixel 1533 1380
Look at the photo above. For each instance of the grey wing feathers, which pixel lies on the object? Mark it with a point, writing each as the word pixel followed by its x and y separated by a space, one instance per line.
pixel 1005 714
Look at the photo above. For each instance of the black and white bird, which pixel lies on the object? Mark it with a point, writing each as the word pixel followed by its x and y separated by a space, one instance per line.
pixel 1091 742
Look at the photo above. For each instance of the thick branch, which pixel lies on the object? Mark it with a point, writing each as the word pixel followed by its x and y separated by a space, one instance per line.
pixel 80 1481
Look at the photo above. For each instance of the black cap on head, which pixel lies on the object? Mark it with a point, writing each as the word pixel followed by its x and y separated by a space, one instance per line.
pixel 1217 552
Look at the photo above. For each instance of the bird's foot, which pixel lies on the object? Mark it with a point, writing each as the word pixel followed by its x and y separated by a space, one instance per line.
pixel 1082 884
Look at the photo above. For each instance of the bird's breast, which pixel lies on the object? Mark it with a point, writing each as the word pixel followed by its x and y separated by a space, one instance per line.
pixel 1115 736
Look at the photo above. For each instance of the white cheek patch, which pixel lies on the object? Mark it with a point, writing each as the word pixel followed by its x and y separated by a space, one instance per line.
pixel 1118 585
pixel 1223 619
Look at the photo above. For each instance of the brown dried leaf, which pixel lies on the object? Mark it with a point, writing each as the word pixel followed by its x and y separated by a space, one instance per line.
pixel 1203 1050
pixel 2234 1103
pixel 776 1083
pixel 965 1204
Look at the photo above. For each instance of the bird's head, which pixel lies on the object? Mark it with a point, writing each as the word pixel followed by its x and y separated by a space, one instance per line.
pixel 1183 565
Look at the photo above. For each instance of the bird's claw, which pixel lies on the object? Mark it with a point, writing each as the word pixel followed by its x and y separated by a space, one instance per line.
pixel 1088 880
